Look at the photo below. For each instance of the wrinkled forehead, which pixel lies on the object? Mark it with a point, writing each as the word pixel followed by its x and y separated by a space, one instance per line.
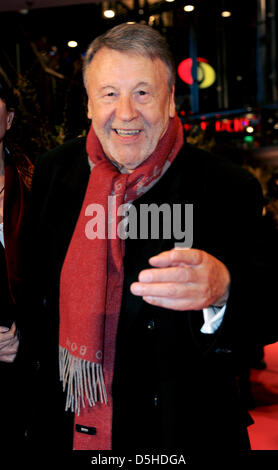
pixel 108 59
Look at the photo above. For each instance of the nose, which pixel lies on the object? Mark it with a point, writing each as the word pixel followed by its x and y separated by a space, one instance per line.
pixel 126 110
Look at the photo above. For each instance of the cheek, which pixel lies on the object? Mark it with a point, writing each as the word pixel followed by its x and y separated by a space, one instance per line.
pixel 100 117
pixel 160 115
pixel 160 121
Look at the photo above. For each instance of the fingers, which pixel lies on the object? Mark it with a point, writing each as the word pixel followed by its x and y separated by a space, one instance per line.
pixel 166 289
pixel 13 328
pixel 7 358
pixel 171 274
pixel 8 337
pixel 9 343
pixel 6 343
pixel 175 257
pixel 7 334
pixel 4 329
pixel 181 304
pixel 183 279
pixel 9 351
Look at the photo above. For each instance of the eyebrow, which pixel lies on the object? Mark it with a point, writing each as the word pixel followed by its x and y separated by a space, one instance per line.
pixel 143 84
pixel 106 86
pixel 136 86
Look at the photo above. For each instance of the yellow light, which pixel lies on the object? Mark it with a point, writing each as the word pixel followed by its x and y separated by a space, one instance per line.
pixel 226 14
pixel 109 13
pixel 72 44
pixel 250 129
pixel 170 0
pixel 189 8
pixel 205 75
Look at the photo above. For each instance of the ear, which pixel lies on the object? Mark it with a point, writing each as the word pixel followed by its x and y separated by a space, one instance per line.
pixel 89 110
pixel 10 116
pixel 172 107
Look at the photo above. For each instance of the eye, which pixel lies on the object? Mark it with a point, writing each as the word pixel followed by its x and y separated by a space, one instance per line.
pixel 142 96
pixel 109 96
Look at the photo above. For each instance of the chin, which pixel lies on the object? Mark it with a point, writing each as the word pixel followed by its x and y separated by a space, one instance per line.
pixel 129 163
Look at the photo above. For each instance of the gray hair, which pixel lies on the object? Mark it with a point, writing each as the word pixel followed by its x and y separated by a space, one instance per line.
pixel 133 39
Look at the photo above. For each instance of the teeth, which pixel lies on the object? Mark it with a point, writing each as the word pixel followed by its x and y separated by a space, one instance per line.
pixel 125 133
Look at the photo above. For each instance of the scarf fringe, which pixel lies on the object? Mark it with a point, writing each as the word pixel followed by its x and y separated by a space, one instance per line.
pixel 83 380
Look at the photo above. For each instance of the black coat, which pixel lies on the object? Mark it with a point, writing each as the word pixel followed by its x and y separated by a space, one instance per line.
pixel 174 387
pixel 18 173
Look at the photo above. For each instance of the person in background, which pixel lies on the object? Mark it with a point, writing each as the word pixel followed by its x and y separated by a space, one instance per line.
pixel 135 339
pixel 15 183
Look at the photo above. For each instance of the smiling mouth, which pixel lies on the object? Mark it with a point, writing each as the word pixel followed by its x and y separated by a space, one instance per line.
pixel 127 132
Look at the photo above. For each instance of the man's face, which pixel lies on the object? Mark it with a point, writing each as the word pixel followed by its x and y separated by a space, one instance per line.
pixel 6 118
pixel 129 103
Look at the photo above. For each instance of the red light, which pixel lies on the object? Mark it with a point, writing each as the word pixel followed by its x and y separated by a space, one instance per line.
pixel 238 126
pixel 218 126
pixel 184 69
pixel 228 125
pixel 205 73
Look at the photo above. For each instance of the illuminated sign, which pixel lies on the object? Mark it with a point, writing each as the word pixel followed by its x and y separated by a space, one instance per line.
pixel 224 125
pixel 205 73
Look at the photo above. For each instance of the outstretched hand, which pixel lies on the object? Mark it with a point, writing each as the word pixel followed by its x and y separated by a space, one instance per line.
pixel 183 279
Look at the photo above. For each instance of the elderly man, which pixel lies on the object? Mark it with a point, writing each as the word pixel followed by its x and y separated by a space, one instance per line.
pixel 150 328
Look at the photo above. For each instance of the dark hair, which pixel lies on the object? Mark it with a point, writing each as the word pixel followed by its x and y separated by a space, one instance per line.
pixel 6 94
pixel 133 39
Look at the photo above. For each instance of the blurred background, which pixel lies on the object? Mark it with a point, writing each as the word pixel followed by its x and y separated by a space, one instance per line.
pixel 225 53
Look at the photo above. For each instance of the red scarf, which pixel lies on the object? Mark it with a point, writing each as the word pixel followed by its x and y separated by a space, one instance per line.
pixel 91 287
